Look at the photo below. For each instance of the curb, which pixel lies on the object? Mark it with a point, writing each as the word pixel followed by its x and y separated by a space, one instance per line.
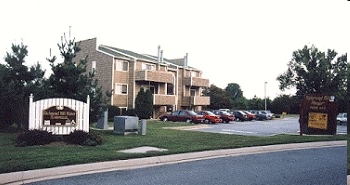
pixel 23 177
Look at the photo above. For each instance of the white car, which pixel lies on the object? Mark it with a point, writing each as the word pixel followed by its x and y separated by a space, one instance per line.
pixel 269 114
pixel 342 118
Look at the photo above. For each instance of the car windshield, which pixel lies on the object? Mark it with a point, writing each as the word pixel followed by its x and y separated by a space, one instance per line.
pixel 192 112
pixel 225 113
pixel 210 113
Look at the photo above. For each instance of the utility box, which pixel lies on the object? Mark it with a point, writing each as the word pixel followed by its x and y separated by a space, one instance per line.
pixel 124 125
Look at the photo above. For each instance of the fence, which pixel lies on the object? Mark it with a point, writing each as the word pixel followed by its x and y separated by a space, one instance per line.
pixel 60 116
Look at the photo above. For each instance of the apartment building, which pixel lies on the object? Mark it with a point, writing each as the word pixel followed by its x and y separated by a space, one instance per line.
pixel 173 83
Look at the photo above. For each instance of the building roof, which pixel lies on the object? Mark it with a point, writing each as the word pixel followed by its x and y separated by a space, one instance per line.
pixel 172 63
pixel 124 53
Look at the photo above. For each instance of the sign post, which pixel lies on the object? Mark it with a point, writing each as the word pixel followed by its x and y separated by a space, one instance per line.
pixel 318 115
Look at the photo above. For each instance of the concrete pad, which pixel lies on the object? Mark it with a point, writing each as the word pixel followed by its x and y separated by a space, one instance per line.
pixel 143 149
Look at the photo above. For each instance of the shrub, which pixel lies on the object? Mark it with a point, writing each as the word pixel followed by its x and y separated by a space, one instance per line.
pixel 79 137
pixel 34 137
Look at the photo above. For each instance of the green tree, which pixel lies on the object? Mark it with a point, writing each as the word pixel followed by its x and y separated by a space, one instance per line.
pixel 70 79
pixel 16 83
pixel 259 104
pixel 313 71
pixel 234 90
pixel 285 103
pixel 219 98
pixel 240 104
pixel 144 104
pixel 236 96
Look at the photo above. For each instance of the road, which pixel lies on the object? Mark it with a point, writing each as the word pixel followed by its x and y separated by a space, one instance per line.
pixel 326 165
pixel 261 128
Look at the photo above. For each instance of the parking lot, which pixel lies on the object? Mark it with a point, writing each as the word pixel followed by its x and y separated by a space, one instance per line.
pixel 259 128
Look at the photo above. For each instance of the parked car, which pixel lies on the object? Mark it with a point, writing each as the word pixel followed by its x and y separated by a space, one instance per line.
pixel 342 118
pixel 187 116
pixel 240 115
pixel 259 115
pixel 251 116
pixel 224 115
pixel 269 114
pixel 210 117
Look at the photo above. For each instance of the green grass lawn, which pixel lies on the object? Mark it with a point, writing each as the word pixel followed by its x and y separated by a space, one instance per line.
pixel 176 141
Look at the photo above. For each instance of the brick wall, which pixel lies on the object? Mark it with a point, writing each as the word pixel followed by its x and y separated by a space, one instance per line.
pixel 104 63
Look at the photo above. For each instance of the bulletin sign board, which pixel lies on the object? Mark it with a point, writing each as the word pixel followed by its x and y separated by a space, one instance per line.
pixel 318 115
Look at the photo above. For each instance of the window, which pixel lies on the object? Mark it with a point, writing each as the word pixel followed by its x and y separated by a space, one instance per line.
pixel 193 92
pixel 152 88
pixel 146 66
pixel 170 89
pixel 121 65
pixel 121 89
pixel 93 66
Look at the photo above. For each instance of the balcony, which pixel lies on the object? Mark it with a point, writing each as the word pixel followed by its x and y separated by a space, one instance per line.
pixel 195 81
pixel 160 99
pixel 154 76
pixel 195 100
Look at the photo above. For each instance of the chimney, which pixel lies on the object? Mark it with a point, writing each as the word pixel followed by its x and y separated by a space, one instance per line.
pixel 158 54
pixel 161 56
pixel 186 60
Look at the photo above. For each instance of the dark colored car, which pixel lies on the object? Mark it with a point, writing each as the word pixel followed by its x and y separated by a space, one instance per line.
pixel 210 117
pixel 240 115
pixel 224 115
pixel 187 116
pixel 259 115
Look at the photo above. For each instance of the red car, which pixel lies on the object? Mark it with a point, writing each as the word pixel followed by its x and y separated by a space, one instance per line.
pixel 187 116
pixel 210 117
pixel 225 116
pixel 251 116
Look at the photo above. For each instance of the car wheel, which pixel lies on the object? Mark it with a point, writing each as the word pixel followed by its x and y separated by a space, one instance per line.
pixel 165 119
pixel 188 120
pixel 206 121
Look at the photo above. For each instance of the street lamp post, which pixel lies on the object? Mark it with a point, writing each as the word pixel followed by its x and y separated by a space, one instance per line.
pixel 265 94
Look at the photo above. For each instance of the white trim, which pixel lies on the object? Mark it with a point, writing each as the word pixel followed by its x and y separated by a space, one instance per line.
pixel 113 63
pixel 123 61
pixel 120 84
pixel 134 84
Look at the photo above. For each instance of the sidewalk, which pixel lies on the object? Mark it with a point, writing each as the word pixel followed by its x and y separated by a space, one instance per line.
pixel 23 177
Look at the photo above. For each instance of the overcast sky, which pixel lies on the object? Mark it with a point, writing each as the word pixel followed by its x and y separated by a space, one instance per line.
pixel 231 41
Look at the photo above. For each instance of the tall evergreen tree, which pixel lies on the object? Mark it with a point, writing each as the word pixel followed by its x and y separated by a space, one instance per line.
pixel 70 79
pixel 144 104
pixel 16 84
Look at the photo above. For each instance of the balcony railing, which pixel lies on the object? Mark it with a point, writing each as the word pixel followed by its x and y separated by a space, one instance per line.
pixel 154 76
pixel 160 99
pixel 195 81
pixel 195 100
pixel 200 100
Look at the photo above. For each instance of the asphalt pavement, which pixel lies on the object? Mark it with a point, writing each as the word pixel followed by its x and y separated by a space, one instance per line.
pixel 23 177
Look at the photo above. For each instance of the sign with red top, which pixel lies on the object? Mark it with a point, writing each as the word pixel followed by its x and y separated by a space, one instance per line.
pixel 318 115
